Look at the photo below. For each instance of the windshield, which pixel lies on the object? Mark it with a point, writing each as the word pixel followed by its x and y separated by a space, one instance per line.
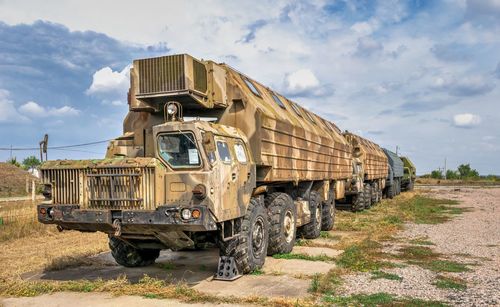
pixel 179 150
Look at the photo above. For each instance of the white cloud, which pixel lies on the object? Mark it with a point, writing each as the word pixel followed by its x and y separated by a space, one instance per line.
pixel 304 83
pixel 368 46
pixel 110 86
pixel 472 85
pixel 8 112
pixel 33 109
pixel 466 120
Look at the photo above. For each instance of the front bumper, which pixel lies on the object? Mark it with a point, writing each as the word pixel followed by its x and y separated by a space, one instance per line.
pixel 141 222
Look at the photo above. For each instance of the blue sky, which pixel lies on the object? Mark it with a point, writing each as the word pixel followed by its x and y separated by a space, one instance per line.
pixel 421 75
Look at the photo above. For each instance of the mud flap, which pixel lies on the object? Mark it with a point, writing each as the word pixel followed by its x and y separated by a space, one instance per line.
pixel 227 269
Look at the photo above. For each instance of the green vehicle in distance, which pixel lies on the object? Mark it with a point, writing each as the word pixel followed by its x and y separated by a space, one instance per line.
pixel 409 175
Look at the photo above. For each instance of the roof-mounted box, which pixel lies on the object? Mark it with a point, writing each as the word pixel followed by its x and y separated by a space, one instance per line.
pixel 194 83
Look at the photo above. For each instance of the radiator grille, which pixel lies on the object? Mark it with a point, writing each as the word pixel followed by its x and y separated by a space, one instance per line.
pixel 103 188
pixel 163 74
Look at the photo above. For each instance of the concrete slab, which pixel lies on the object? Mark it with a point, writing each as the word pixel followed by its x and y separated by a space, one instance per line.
pixel 196 268
pixel 296 267
pixel 257 285
pixel 189 267
pixel 316 251
pixel 63 299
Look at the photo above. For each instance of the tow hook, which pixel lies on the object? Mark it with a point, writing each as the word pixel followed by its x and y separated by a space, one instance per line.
pixel 118 227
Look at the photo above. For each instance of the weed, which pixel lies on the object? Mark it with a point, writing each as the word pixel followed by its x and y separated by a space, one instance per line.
pixel 257 272
pixel 167 266
pixel 419 253
pixel 385 275
pixel 326 283
pixel 150 295
pixel 446 266
pixel 361 257
pixel 378 299
pixel 303 257
pixel 444 282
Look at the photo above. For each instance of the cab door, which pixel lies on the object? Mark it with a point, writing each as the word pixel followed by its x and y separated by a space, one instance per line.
pixel 228 178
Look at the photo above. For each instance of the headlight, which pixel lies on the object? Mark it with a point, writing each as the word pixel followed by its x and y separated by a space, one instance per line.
pixel 171 109
pixel 186 214
pixel 47 191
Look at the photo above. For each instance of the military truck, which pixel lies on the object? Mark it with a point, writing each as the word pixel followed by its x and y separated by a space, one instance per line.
pixel 207 155
pixel 409 176
pixel 369 172
pixel 395 174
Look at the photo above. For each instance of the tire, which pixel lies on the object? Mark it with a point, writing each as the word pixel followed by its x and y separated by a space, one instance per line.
pixel 328 213
pixel 250 248
pixel 374 194
pixel 129 256
pixel 312 230
pixel 358 201
pixel 282 223
pixel 367 193
pixel 391 190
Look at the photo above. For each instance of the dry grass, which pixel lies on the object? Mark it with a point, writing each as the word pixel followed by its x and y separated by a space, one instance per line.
pixel 19 219
pixel 146 287
pixel 458 182
pixel 28 245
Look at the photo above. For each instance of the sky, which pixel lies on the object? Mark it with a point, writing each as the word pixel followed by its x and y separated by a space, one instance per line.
pixel 420 75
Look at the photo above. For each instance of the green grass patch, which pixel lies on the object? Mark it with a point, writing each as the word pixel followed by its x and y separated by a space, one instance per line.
pixel 385 275
pixel 326 283
pixel 446 266
pixel 304 257
pixel 361 257
pixel 419 253
pixel 378 299
pixel 151 295
pixel 444 282
pixel 426 210
pixel 257 272
pixel 168 266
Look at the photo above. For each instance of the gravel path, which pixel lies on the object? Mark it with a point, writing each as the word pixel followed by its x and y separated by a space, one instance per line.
pixel 473 237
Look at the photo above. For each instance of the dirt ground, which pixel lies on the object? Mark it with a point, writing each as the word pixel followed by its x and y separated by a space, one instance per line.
pixel 472 238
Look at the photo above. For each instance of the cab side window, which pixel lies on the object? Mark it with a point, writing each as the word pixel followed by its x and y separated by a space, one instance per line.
pixel 240 152
pixel 224 154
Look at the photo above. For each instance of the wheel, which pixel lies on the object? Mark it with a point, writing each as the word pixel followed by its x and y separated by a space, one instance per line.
pixel 367 193
pixel 312 230
pixel 358 201
pixel 410 186
pixel 374 193
pixel 391 190
pixel 328 212
pixel 283 223
pixel 129 256
pixel 250 248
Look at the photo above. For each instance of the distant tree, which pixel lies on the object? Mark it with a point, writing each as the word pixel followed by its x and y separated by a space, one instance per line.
pixel 13 161
pixel 437 174
pixel 466 171
pixel 30 162
pixel 450 174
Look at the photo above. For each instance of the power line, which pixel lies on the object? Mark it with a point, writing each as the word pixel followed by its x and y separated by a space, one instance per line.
pixel 54 147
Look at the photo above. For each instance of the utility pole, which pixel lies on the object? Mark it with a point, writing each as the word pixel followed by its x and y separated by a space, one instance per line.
pixel 445 168
pixel 397 148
